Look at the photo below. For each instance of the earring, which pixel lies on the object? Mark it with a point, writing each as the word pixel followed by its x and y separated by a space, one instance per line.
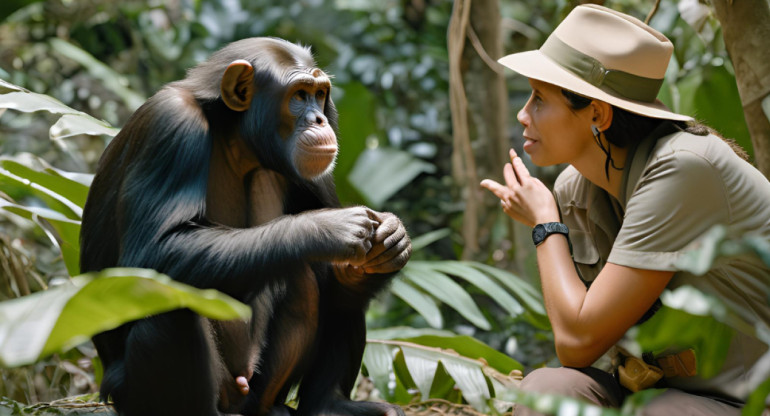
pixel 607 151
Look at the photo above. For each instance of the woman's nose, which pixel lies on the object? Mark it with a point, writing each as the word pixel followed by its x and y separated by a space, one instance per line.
pixel 523 116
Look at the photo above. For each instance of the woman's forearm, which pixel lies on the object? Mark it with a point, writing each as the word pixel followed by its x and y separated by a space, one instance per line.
pixel 564 295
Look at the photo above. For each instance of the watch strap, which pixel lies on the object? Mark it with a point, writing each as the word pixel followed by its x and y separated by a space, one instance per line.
pixel 542 231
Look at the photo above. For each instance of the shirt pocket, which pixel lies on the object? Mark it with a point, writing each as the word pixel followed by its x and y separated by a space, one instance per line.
pixel 585 254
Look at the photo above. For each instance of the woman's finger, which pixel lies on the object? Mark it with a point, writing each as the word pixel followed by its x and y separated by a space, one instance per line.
pixel 510 176
pixel 522 173
pixel 500 191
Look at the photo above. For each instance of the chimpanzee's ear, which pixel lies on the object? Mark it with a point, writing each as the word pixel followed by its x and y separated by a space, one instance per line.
pixel 237 85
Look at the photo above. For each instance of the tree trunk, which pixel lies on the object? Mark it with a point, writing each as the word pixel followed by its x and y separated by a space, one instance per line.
pixel 479 104
pixel 746 29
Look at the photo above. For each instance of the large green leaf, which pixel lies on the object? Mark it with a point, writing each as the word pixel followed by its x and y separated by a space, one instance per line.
pixel 28 102
pixel 470 380
pixel 380 172
pixel 429 238
pixel 442 371
pixel 19 187
pixel 357 125
pixel 421 302
pixel 422 366
pixel 417 365
pixel 64 316
pixel 530 298
pixel 446 290
pixel 470 347
pixel 757 401
pixel 405 332
pixel 72 122
pixel 434 282
pixel 67 236
pixel 53 182
pixel 378 360
pixel 480 280
pixel 675 328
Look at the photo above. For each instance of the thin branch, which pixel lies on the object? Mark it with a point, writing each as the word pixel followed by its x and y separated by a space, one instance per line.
pixel 463 164
pixel 479 48
pixel 652 12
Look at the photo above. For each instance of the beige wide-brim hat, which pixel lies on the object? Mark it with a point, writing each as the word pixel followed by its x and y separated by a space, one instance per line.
pixel 603 54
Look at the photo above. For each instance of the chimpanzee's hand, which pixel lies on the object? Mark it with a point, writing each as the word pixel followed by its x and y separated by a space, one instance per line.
pixel 343 235
pixel 391 246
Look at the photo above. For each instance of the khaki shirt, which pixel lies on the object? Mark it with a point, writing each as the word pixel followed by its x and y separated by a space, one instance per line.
pixel 674 189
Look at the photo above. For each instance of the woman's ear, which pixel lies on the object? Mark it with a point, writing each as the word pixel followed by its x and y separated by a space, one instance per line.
pixel 602 114
pixel 237 85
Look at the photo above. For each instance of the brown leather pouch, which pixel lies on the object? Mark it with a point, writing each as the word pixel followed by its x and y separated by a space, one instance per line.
pixel 637 375
pixel 682 364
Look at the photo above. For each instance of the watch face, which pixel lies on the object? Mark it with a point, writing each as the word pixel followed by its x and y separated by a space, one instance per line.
pixel 541 231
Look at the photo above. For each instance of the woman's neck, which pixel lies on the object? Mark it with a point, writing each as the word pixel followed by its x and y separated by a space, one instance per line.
pixel 591 166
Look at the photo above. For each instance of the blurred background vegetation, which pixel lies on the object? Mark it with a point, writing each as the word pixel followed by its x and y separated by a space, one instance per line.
pixel 392 64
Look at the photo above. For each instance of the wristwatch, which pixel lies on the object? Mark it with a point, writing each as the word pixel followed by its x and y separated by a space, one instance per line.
pixel 542 231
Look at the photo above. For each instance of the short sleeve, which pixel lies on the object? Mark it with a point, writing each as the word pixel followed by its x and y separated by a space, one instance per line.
pixel 678 197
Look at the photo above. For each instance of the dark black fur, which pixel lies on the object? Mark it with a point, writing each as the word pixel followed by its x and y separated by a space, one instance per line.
pixel 147 208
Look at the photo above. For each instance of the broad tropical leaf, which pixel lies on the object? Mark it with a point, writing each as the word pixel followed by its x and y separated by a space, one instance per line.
pixel 72 122
pixel 67 237
pixel 423 283
pixel 55 320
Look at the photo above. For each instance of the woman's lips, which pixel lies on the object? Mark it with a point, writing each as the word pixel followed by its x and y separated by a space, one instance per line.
pixel 529 143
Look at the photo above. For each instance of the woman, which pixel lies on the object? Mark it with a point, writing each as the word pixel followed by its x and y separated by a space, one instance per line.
pixel 642 184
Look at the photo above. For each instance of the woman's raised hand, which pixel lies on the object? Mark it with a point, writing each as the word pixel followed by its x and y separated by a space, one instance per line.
pixel 523 197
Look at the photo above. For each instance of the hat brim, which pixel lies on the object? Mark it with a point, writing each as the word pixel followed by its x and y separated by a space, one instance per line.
pixel 534 64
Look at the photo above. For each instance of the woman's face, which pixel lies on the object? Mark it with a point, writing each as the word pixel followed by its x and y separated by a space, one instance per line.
pixel 554 132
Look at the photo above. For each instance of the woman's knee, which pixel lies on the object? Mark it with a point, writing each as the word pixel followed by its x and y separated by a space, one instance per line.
pixel 590 384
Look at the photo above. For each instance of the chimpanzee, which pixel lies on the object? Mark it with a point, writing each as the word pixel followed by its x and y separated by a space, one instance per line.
pixel 223 180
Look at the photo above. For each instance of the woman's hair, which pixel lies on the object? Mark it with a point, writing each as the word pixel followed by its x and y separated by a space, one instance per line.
pixel 628 128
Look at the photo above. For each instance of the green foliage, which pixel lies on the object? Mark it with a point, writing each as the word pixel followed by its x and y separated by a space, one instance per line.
pixel 67 230
pixel 56 320
pixel 718 243
pixel 675 328
pixel 433 367
pixel 757 402
pixel 423 284
pixel 461 369
pixel 71 123
pixel 353 136
pixel 379 173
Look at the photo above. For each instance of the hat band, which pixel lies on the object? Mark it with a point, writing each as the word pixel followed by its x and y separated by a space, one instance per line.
pixel 592 71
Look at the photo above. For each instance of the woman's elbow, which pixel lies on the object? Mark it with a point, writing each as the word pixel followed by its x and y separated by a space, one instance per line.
pixel 578 353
